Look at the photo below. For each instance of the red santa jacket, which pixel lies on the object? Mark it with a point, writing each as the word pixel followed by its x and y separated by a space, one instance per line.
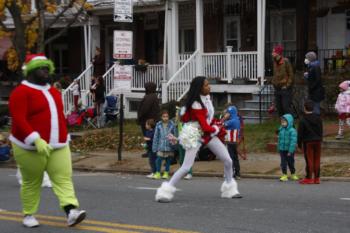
pixel 199 114
pixel 37 111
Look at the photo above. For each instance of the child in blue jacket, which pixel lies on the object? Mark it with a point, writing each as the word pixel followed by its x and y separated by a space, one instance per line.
pixel 162 146
pixel 287 141
pixel 232 126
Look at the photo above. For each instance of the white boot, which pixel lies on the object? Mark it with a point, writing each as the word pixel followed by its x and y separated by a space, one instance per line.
pixel 165 193
pixel 19 176
pixel 229 190
pixel 30 221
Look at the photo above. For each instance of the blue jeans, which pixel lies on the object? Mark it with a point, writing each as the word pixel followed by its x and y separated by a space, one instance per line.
pixel 152 157
pixel 159 163
pixel 287 161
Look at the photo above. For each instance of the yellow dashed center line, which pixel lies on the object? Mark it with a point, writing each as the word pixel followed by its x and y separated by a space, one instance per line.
pixel 99 226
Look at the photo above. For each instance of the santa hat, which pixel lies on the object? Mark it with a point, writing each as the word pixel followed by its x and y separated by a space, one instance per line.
pixel 278 49
pixel 35 61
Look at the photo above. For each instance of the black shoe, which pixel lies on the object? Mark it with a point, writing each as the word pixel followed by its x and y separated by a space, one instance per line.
pixel 145 155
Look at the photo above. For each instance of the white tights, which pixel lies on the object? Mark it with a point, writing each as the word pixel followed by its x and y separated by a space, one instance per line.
pixel 218 148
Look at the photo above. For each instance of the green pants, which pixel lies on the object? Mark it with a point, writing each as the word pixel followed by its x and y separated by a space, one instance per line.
pixel 59 168
pixel 182 157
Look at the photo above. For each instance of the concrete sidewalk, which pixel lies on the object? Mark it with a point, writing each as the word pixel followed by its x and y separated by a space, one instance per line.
pixel 264 165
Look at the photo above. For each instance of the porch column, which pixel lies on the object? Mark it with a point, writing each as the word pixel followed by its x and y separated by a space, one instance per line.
pixel 199 37
pixel 261 12
pixel 175 35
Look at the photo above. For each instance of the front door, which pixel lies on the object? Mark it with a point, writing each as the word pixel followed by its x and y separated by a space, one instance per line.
pixel 151 46
pixel 232 32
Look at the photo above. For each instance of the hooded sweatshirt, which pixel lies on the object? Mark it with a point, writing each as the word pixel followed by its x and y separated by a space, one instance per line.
pixel 232 125
pixel 310 129
pixel 287 136
pixel 149 106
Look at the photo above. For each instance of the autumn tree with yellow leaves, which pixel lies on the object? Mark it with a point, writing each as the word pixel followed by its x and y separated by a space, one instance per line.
pixel 27 22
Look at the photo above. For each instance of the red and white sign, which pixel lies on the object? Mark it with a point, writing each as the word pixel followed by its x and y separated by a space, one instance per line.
pixel 122 45
pixel 122 77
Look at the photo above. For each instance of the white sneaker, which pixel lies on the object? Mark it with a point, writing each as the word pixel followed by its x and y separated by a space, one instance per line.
pixel 75 216
pixel 46 181
pixel 188 177
pixel 151 176
pixel 30 221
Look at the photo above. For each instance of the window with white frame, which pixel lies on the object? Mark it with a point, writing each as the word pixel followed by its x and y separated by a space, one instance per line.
pixel 232 32
pixel 187 40
pixel 283 29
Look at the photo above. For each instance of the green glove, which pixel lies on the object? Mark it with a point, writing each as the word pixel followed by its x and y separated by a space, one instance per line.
pixel 42 147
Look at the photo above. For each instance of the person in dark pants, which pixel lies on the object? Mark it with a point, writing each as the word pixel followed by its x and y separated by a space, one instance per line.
pixel 232 126
pixel 152 157
pixel 282 81
pixel 316 91
pixel 149 107
pixel 310 133
pixel 287 141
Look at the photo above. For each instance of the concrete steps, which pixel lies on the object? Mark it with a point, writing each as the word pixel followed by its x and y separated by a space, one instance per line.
pixel 251 108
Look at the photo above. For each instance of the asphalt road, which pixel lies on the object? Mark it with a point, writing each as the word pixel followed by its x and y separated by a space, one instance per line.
pixel 125 203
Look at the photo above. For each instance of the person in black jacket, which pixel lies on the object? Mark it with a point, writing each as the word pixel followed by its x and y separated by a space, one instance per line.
pixel 99 97
pixel 316 91
pixel 149 106
pixel 310 132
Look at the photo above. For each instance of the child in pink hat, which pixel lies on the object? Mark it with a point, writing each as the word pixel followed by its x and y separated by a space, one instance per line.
pixel 343 107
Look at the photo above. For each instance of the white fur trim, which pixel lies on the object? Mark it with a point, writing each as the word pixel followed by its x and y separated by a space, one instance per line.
pixel 35 86
pixel 54 131
pixel 30 147
pixel 182 111
pixel 216 131
pixel 39 58
pixel 196 105
pixel 31 138
pixel 165 193
pixel 229 190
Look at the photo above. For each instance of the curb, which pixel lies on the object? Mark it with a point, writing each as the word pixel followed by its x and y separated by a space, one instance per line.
pixel 202 174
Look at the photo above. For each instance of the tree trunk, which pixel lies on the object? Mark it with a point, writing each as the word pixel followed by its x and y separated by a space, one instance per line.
pixel 41 29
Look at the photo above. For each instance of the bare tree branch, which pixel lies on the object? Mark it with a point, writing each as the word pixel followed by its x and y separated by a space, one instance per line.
pixel 59 15
pixel 72 21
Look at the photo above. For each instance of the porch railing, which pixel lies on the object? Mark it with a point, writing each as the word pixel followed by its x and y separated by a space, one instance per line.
pixel 154 73
pixel 231 65
pixel 177 86
pixel 84 83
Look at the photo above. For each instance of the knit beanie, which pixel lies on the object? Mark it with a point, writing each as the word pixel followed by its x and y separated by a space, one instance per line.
pixel 278 49
pixel 311 56
pixel 344 85
pixel 35 61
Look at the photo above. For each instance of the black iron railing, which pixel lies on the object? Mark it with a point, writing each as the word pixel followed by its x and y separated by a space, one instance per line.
pixel 330 59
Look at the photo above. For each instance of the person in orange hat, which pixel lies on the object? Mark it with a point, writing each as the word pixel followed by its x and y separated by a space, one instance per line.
pixel 40 140
pixel 282 81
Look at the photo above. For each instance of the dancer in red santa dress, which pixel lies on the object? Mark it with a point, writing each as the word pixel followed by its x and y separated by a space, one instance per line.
pixel 40 141
pixel 197 115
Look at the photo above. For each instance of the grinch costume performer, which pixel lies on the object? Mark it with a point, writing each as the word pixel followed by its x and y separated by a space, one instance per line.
pixel 40 141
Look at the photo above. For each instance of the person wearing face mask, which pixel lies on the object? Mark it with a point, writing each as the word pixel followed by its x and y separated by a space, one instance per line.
pixel 40 141
pixel 287 141
pixel 282 81
pixel 316 91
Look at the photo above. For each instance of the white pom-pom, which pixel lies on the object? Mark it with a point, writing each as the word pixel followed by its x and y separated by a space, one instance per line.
pixel 190 136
